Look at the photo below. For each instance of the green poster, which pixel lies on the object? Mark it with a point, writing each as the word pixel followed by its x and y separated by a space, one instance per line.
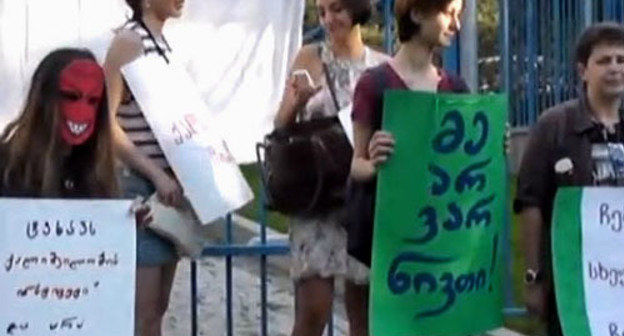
pixel 438 224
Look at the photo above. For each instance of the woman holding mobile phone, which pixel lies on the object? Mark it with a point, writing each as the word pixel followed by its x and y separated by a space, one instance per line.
pixel 321 83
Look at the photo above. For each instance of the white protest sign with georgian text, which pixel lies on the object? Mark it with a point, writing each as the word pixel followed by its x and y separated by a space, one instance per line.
pixel 603 258
pixel 588 251
pixel 190 139
pixel 68 267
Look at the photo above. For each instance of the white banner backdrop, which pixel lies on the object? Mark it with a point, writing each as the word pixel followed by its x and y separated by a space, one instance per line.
pixel 29 29
pixel 237 51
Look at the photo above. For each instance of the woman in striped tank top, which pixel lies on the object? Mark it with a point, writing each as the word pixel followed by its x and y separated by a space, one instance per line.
pixel 147 169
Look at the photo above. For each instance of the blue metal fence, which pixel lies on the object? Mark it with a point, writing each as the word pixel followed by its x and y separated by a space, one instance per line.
pixel 539 69
pixel 609 10
pixel 538 50
pixel 230 250
pixel 536 44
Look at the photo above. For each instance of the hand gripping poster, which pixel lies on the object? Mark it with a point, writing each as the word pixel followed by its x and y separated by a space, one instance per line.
pixel 436 264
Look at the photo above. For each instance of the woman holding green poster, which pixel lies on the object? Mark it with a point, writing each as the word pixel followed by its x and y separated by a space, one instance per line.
pixel 423 27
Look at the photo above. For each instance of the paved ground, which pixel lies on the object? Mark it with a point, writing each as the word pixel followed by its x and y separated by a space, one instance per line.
pixel 246 299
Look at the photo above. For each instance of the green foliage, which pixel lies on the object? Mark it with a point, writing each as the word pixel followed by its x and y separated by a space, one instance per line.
pixel 487 18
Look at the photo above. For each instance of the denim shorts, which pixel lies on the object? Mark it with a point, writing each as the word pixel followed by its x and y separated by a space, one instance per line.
pixel 152 249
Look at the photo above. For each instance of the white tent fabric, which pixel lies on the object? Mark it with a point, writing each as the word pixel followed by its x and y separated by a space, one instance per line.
pixel 239 56
pixel 237 51
pixel 29 29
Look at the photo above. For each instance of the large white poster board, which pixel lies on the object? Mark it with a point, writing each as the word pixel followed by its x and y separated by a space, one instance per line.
pixel 68 267
pixel 588 251
pixel 603 258
pixel 191 140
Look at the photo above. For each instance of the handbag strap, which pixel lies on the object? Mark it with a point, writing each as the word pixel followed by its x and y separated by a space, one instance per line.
pixel 317 146
pixel 151 36
pixel 262 165
pixel 328 79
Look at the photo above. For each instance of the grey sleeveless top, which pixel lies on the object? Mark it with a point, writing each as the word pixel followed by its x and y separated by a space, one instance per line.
pixel 344 74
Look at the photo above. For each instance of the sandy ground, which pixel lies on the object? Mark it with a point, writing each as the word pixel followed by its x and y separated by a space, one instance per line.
pixel 246 300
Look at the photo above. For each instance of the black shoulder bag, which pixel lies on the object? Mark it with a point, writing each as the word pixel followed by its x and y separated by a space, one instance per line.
pixel 306 164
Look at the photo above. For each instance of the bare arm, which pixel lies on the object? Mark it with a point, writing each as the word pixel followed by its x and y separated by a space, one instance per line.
pixel 362 169
pixel 535 294
pixel 532 229
pixel 370 150
pixel 297 95
pixel 125 48
pixel 535 185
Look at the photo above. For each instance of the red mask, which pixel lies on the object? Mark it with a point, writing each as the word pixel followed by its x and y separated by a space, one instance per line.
pixel 81 86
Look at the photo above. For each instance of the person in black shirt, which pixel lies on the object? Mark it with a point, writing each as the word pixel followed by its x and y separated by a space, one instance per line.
pixel 576 143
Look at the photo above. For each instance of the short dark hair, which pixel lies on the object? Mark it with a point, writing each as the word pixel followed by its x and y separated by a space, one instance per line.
pixel 360 10
pixel 402 10
pixel 609 33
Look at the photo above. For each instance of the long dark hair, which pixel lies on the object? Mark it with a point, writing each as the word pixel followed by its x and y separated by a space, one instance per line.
pixel 137 10
pixel 34 161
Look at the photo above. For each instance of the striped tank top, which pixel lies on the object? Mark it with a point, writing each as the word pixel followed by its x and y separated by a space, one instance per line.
pixel 129 115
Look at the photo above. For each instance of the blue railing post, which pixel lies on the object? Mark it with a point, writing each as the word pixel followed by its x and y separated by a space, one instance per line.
pixel 228 276
pixel 388 26
pixel 612 10
pixel 531 66
pixel 451 57
pixel 263 260
pixel 193 298
pixel 330 323
pixel 503 38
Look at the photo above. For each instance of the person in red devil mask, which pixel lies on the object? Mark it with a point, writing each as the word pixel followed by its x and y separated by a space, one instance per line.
pixel 60 146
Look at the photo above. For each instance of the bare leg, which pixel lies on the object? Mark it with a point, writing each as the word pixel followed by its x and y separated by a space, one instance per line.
pixel 356 302
pixel 313 304
pixel 153 286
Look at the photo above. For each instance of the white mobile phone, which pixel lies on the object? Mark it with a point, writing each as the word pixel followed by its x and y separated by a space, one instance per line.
pixel 304 73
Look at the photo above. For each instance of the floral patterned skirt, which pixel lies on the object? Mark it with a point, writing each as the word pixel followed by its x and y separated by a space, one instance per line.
pixel 319 247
